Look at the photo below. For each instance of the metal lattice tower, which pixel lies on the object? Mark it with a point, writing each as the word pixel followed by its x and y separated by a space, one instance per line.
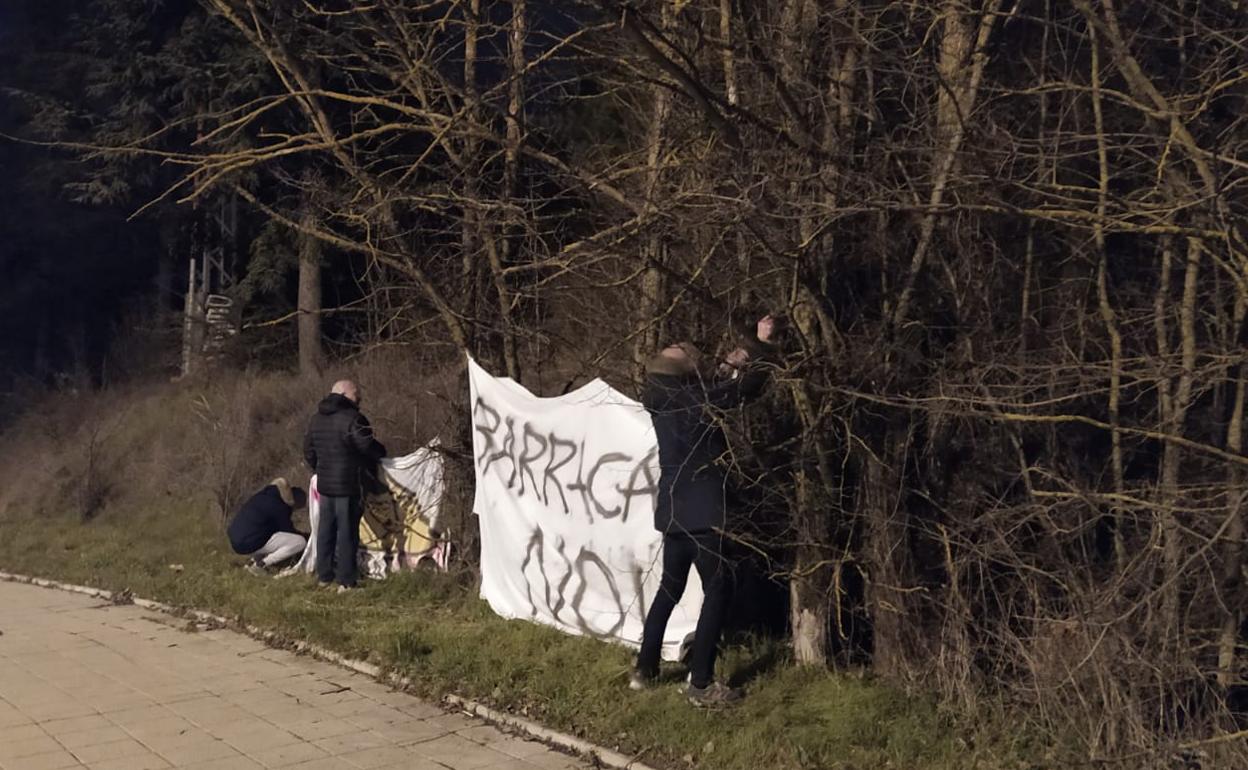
pixel 211 316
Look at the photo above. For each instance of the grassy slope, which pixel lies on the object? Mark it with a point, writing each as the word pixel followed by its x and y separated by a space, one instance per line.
pixel 437 632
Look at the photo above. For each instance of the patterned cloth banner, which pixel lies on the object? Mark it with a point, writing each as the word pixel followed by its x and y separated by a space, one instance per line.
pixel 396 530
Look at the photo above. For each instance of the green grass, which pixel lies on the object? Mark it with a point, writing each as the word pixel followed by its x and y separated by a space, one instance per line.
pixel 434 630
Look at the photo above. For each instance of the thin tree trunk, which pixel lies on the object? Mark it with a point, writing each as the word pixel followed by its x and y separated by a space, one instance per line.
pixel 955 99
pixel 310 354
pixel 503 254
pixel 811 581
pixel 730 67
pixel 1106 308
pixel 811 586
pixel 470 226
pixel 1233 550
pixel 1174 417
pixel 888 556
pixel 846 76
pixel 648 323
pixel 808 597
pixel 1168 470
pixel 960 68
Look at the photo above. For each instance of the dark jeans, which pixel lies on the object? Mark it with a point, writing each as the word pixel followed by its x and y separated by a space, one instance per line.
pixel 338 540
pixel 703 550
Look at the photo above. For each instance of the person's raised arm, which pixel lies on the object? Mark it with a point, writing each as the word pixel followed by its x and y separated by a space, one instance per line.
pixel 745 370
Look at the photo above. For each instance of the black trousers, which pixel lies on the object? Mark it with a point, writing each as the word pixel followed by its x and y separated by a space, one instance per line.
pixel 338 540
pixel 703 551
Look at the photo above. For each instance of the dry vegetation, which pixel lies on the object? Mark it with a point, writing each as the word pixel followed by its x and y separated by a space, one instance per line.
pixel 212 439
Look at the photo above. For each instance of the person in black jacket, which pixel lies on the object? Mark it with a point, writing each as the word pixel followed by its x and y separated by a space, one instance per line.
pixel 263 530
pixel 689 509
pixel 339 446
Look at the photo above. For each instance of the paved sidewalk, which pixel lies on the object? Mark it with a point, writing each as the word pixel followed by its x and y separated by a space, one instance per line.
pixel 88 684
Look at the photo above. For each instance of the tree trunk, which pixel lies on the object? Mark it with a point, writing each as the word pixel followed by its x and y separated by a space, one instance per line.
pixel 1233 550
pixel 648 323
pixel 310 355
pixel 809 625
pixel 813 595
pixel 810 584
pixel 954 101
pixel 888 549
pixel 1106 308
pixel 1175 402
pixel 727 58
pixel 503 254
pixel 470 226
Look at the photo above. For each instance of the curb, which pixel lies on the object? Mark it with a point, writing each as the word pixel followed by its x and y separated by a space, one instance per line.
pixel 594 753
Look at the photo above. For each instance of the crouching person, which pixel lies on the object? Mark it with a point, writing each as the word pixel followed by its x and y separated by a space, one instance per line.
pixel 263 530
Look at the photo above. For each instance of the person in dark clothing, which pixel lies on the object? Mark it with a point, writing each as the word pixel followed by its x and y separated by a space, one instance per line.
pixel 339 446
pixel 263 530
pixel 689 509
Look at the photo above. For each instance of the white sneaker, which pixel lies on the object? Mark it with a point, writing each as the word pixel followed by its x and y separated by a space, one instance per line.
pixel 639 681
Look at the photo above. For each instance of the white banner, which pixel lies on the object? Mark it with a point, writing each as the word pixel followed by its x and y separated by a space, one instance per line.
pixel 307 562
pixel 565 494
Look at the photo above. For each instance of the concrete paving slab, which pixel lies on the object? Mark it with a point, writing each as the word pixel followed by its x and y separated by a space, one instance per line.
pixel 95 686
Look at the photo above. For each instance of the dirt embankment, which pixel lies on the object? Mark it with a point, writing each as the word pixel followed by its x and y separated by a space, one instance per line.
pixel 211 439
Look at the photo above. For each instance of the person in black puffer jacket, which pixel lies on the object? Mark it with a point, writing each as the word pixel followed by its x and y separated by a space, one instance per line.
pixel 339 446
pixel 689 509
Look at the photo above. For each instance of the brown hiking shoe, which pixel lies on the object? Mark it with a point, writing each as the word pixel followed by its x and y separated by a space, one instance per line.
pixel 714 695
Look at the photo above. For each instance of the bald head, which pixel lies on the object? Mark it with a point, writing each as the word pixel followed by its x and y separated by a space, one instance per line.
pixel 679 359
pixel 684 352
pixel 348 389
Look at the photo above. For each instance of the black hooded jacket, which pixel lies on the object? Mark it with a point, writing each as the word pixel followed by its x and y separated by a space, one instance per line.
pixel 691 442
pixel 339 445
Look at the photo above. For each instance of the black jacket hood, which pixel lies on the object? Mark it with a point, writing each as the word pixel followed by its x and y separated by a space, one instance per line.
pixel 336 402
